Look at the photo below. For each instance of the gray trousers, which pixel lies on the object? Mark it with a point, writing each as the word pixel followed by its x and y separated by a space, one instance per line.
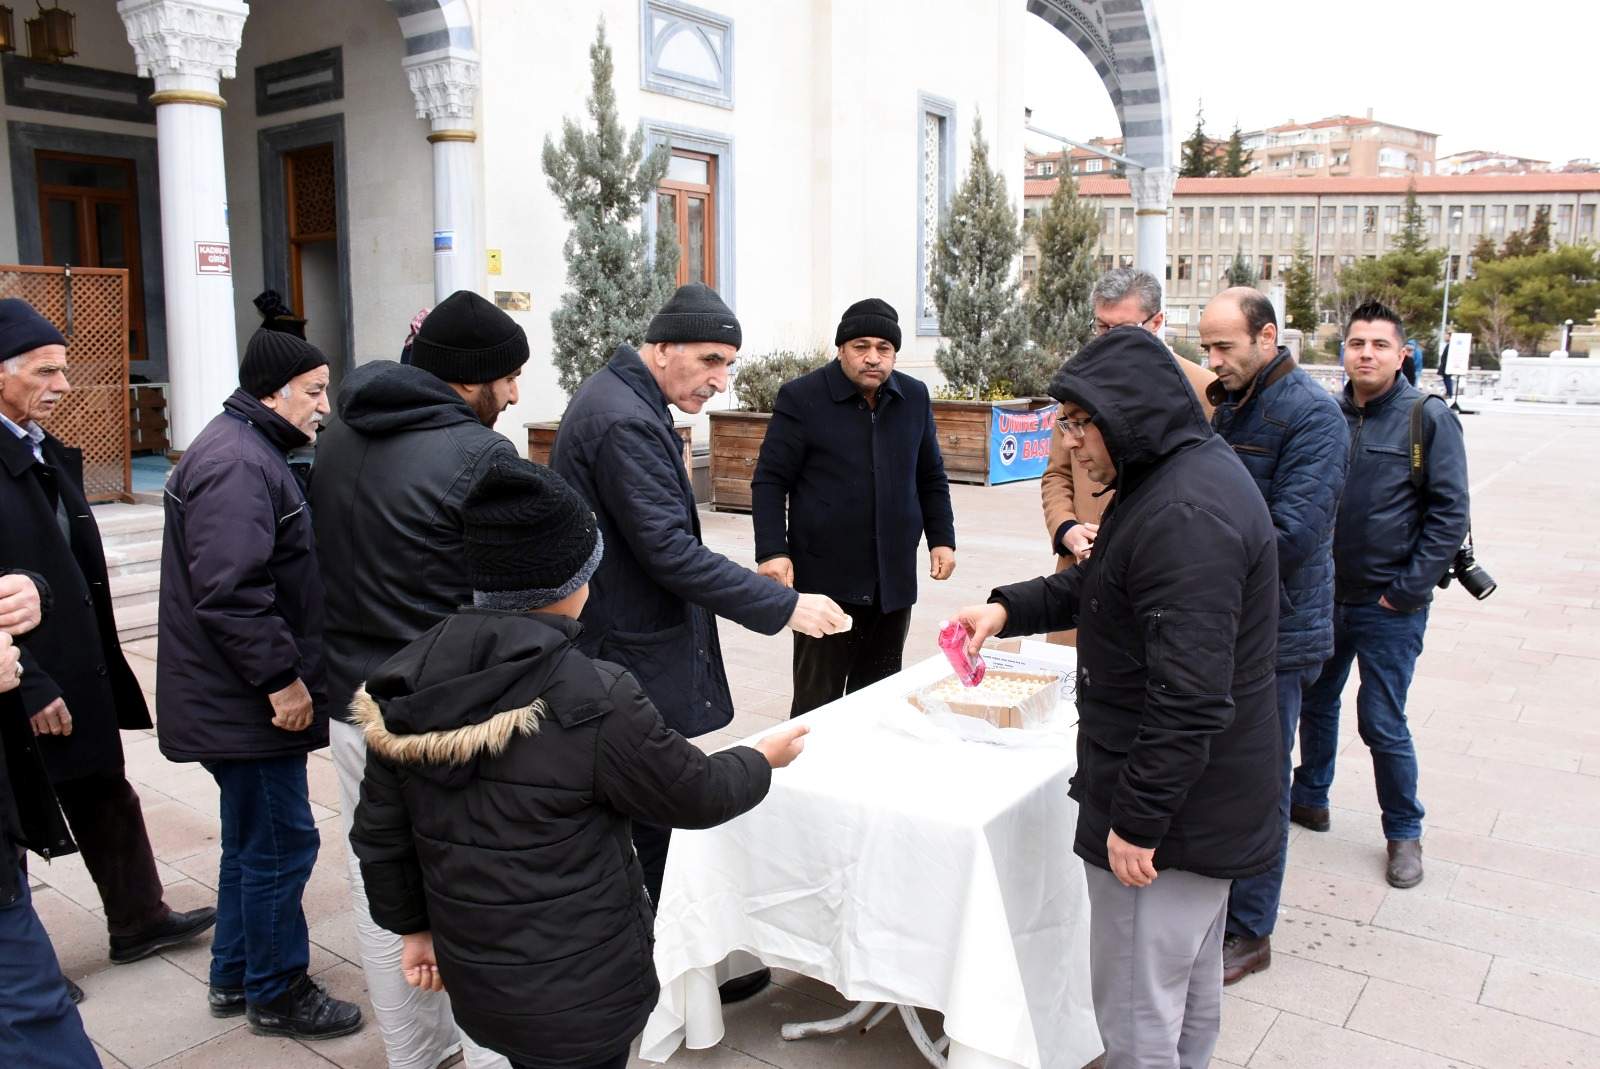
pixel 1155 959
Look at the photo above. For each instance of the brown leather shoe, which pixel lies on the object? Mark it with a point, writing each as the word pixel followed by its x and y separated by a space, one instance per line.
pixel 1405 863
pixel 1242 956
pixel 1313 817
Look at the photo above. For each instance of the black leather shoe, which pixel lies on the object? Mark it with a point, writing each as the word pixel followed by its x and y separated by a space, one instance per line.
pixel 1242 956
pixel 742 987
pixel 1405 863
pixel 74 992
pixel 305 1011
pixel 176 928
pixel 225 1001
pixel 1308 816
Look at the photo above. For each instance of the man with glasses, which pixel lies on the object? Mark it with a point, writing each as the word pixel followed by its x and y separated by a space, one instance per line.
pixel 1074 501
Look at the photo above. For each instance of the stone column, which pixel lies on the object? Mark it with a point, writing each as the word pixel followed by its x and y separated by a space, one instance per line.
pixel 188 46
pixel 1152 190
pixel 445 84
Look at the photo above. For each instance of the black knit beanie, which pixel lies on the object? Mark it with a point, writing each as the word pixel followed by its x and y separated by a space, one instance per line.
pixel 530 539
pixel 22 330
pixel 871 318
pixel 695 313
pixel 272 358
pixel 466 339
pixel 275 315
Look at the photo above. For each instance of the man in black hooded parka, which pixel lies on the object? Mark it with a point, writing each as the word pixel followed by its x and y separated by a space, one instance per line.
pixel 1177 612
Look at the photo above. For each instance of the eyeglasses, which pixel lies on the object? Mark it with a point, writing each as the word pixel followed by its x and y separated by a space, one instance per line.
pixel 1078 428
pixel 1101 326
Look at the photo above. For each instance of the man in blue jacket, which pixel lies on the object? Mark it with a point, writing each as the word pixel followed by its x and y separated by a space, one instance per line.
pixel 1397 532
pixel 850 478
pixel 239 678
pixel 1292 439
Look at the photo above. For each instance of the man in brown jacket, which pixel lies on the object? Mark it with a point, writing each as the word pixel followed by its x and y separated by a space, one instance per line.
pixel 1073 502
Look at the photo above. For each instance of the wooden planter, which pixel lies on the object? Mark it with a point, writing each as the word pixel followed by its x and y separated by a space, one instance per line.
pixel 736 439
pixel 965 428
pixel 542 438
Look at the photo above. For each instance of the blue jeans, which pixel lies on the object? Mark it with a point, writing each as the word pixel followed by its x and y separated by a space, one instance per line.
pixel 39 1025
pixel 1253 901
pixel 1386 644
pixel 269 844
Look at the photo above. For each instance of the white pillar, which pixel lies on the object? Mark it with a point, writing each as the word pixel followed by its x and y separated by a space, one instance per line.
pixel 188 46
pixel 1152 190
pixel 445 84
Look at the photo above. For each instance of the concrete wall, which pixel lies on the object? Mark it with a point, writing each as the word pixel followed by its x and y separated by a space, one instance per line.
pixel 825 133
pixel 389 165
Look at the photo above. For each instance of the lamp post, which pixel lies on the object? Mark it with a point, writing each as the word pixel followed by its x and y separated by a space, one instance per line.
pixel 8 30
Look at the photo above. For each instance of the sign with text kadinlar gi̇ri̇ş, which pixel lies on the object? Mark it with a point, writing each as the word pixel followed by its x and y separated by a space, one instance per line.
pixel 212 258
pixel 1019 443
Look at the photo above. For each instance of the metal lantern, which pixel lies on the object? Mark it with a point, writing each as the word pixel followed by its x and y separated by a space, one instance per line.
pixel 50 36
pixel 8 30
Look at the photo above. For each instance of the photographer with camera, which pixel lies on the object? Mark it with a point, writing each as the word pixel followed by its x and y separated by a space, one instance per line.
pixel 1402 521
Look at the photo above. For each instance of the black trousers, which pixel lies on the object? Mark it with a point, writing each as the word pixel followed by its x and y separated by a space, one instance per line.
pixel 619 1061
pixel 104 815
pixel 826 669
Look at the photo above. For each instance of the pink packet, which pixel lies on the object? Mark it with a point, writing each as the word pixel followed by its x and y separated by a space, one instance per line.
pixel 953 636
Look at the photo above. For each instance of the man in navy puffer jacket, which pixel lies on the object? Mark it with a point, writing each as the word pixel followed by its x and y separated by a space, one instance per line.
pixel 1290 435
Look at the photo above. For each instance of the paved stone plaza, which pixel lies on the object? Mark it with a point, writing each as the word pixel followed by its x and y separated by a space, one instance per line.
pixel 1494 961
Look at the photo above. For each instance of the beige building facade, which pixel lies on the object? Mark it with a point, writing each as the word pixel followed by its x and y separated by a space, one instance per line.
pixel 1339 220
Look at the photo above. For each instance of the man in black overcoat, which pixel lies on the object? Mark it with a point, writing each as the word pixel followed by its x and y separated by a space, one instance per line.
pixel 77 689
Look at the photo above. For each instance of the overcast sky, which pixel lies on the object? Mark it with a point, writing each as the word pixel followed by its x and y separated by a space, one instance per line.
pixel 1516 78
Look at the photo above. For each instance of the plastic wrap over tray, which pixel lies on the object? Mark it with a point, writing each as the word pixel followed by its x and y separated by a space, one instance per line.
pixel 1004 699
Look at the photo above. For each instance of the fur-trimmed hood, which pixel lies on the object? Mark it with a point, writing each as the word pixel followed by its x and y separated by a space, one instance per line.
pixel 463 691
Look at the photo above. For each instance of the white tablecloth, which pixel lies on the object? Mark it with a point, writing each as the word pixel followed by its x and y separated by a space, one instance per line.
pixel 898 863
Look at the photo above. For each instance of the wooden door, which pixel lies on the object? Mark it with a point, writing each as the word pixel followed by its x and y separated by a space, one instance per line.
pixel 89 217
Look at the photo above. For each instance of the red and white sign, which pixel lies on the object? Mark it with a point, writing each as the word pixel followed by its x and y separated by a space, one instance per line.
pixel 212 258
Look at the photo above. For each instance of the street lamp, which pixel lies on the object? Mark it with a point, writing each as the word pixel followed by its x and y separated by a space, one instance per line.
pixel 1566 336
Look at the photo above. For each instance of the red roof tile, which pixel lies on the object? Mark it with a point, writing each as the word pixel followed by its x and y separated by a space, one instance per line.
pixel 1466 184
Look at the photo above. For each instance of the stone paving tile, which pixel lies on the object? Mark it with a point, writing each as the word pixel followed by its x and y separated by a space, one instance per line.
pixel 240 1049
pixel 1466 1031
pixel 1536 942
pixel 1377 951
pixel 1302 986
pixel 1535 900
pixel 109 1060
pixel 148 1011
pixel 1545 995
pixel 1244 1025
pixel 1318 891
pixel 1301 1043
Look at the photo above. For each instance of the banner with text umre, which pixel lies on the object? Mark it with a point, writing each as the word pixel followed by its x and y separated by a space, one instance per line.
pixel 1019 443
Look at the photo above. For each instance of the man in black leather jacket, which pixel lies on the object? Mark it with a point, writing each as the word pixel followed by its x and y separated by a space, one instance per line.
pixel 391 476
pixel 1393 541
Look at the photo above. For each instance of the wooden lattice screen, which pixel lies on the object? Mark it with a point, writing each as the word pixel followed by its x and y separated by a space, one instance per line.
pixel 90 306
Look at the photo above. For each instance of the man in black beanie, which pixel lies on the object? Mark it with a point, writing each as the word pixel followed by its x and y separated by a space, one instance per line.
pixel 77 689
pixel 387 491
pixel 239 681
pixel 849 480
pixel 534 922
pixel 659 590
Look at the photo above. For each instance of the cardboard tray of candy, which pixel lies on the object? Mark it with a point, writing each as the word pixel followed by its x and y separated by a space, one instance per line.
pixel 1004 699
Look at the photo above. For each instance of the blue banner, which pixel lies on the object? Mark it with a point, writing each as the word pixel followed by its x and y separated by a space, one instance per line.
pixel 1019 443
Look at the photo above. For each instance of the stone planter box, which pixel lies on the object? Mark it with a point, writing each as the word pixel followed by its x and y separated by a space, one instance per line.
pixel 736 439
pixel 542 437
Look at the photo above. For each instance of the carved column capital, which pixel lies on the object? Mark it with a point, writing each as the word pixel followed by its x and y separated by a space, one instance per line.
pixel 184 38
pixel 445 85
pixel 1151 188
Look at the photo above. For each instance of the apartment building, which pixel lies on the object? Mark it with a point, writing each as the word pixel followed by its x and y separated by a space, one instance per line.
pixel 1342 146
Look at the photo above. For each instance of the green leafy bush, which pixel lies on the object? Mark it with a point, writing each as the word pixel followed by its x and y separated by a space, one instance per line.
pixel 756 379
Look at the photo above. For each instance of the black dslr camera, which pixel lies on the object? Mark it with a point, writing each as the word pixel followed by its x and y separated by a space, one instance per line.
pixel 1465 568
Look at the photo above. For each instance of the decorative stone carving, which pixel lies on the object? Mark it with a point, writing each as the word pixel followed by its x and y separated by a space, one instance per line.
pixel 445 86
pixel 1151 188
pixel 184 38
